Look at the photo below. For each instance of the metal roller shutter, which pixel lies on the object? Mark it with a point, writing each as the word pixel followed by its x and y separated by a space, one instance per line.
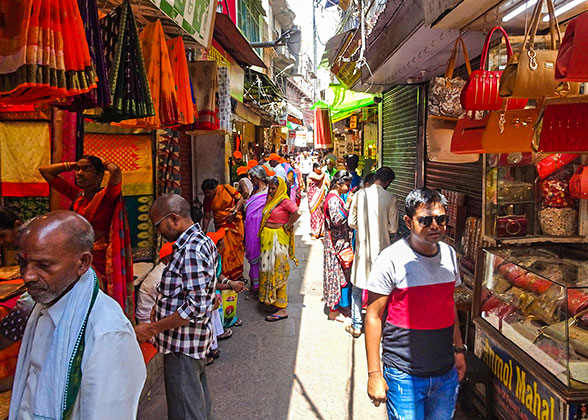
pixel 401 113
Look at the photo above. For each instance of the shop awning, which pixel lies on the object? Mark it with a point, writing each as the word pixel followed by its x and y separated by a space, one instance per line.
pixel 231 39
pixel 343 102
pixel 333 47
pixel 260 88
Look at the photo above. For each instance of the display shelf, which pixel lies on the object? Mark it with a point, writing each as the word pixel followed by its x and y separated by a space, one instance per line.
pixel 530 239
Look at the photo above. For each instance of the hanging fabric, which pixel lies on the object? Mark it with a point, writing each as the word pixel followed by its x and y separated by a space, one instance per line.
pixel 223 102
pixel 129 88
pixel 323 129
pixel 204 78
pixel 63 144
pixel 186 106
pixel 160 77
pixel 43 51
pixel 169 164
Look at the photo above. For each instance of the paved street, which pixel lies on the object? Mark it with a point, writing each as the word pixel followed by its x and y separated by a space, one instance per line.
pixel 304 367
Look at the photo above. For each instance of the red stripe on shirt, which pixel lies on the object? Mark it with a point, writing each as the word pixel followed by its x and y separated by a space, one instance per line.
pixel 429 307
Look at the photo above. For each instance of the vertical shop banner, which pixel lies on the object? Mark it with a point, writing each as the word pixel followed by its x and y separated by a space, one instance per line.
pixel 517 393
pixel 132 153
pixel 24 147
pixel 196 17
pixel 224 99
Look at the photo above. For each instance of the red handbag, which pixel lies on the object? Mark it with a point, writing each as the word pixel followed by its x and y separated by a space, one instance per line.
pixel 511 226
pixel 579 183
pixel 563 126
pixel 573 55
pixel 467 137
pixel 480 92
pixel 552 163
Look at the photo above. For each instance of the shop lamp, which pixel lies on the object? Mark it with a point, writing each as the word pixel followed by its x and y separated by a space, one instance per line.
pixel 514 13
pixel 564 8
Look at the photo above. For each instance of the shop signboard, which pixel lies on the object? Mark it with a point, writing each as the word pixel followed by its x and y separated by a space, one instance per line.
pixel 353 122
pixel 196 17
pixel 517 393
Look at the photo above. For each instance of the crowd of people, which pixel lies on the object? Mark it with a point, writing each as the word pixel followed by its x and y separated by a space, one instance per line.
pixel 72 260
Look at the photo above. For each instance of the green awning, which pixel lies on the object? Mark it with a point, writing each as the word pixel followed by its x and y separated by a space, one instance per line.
pixel 343 102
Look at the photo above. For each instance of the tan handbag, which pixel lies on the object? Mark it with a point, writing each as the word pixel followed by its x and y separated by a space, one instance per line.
pixel 439 134
pixel 530 73
pixel 510 131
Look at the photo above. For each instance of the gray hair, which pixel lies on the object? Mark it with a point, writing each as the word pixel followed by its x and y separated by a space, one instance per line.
pixel 259 173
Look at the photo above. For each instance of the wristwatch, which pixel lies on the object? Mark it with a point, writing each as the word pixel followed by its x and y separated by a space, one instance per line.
pixel 460 350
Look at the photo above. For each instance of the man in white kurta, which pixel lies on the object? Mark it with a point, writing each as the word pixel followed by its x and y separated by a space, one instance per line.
pixel 72 321
pixel 374 216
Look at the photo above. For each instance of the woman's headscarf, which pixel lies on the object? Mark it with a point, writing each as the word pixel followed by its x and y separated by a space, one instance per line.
pixel 246 184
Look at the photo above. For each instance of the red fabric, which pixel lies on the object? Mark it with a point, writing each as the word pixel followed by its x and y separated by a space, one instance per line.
pixel 323 130
pixel 282 212
pixel 27 189
pixel 573 55
pixel 405 308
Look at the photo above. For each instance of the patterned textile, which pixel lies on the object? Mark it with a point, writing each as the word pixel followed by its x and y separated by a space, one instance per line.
pixel 43 51
pixel 323 129
pixel 141 229
pixel 132 153
pixel 274 267
pixel 64 129
pixel 129 88
pixel 168 178
pixel 24 146
pixel 338 236
pixel 203 75
pixel 253 215
pixel 316 197
pixel 160 77
pixel 223 102
pixel 99 97
pixel 186 106
pixel 187 287
pixel 28 207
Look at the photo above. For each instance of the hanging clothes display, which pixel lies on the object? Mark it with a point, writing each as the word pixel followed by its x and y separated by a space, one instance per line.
pixel 63 143
pixel 160 77
pixel 129 88
pixel 223 102
pixel 168 177
pixel 204 78
pixel 323 129
pixel 44 54
pixel 186 106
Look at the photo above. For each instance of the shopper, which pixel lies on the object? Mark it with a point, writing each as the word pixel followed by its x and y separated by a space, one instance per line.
pixel 56 376
pixel 185 301
pixel 317 188
pixel 338 253
pixel 305 168
pixel 351 163
pixel 423 353
pixel 374 216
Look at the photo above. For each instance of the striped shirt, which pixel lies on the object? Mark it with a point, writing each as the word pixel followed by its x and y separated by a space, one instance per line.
pixel 187 287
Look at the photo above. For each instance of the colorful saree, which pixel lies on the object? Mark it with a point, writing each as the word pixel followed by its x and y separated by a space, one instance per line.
pixel 277 246
pixel 253 216
pixel 316 197
pixel 186 106
pixel 234 251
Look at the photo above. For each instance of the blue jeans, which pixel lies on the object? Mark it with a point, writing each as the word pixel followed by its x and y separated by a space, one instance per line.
pixel 420 398
pixel 356 297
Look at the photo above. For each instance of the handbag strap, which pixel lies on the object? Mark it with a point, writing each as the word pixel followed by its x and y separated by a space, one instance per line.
pixel 554 30
pixel 453 58
pixel 484 57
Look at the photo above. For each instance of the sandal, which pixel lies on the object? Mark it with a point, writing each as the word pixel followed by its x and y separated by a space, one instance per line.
pixel 238 323
pixel 215 354
pixel 354 333
pixel 227 334
pixel 209 361
pixel 274 318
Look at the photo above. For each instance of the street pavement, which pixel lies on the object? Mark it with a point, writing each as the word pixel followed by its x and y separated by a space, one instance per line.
pixel 303 367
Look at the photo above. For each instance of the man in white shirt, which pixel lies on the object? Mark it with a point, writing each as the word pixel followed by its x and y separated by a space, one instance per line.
pixel 374 216
pixel 79 355
pixel 305 167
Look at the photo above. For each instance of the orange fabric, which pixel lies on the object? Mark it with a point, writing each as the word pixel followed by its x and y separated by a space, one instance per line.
pixel 177 55
pixel 274 156
pixel 237 154
pixel 166 249
pixel 242 170
pixel 216 236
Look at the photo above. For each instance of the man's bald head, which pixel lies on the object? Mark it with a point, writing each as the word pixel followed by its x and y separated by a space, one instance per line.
pixel 171 203
pixel 75 231
pixel 170 214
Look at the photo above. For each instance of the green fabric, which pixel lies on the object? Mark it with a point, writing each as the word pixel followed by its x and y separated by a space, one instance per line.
pixel 74 376
pixel 343 102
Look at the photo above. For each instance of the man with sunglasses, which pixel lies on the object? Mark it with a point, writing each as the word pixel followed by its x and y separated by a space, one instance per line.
pixel 423 352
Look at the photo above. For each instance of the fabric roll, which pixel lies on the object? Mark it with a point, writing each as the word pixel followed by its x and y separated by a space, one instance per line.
pixel 24 146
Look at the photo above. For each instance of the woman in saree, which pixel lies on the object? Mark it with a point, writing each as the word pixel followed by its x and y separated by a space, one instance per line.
pixel 224 204
pixel 337 249
pixel 277 246
pixel 104 208
pixel 253 215
pixel 317 181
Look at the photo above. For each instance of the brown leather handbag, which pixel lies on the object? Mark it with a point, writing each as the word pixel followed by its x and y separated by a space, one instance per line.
pixel 510 131
pixel 530 73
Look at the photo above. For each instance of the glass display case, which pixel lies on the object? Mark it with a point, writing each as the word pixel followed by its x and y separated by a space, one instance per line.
pixel 537 299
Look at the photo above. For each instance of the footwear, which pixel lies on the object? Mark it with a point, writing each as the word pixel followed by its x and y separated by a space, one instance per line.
pixel 238 323
pixel 209 361
pixel 274 317
pixel 354 333
pixel 215 354
pixel 227 334
pixel 342 318
pixel 333 315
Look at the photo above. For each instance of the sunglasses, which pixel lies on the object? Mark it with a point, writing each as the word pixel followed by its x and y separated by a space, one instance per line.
pixel 426 221
pixel 156 224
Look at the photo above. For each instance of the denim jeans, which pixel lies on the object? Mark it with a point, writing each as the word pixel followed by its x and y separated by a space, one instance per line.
pixel 356 299
pixel 420 398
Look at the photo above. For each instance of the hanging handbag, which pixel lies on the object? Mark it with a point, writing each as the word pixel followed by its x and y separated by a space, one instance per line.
pixel 439 134
pixel 555 162
pixel 573 55
pixel 562 126
pixel 579 183
pixel 467 137
pixel 511 226
pixel 530 73
pixel 510 131
pixel 480 92
pixel 444 91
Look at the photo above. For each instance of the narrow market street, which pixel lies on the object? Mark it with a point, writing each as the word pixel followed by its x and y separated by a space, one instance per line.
pixel 304 367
